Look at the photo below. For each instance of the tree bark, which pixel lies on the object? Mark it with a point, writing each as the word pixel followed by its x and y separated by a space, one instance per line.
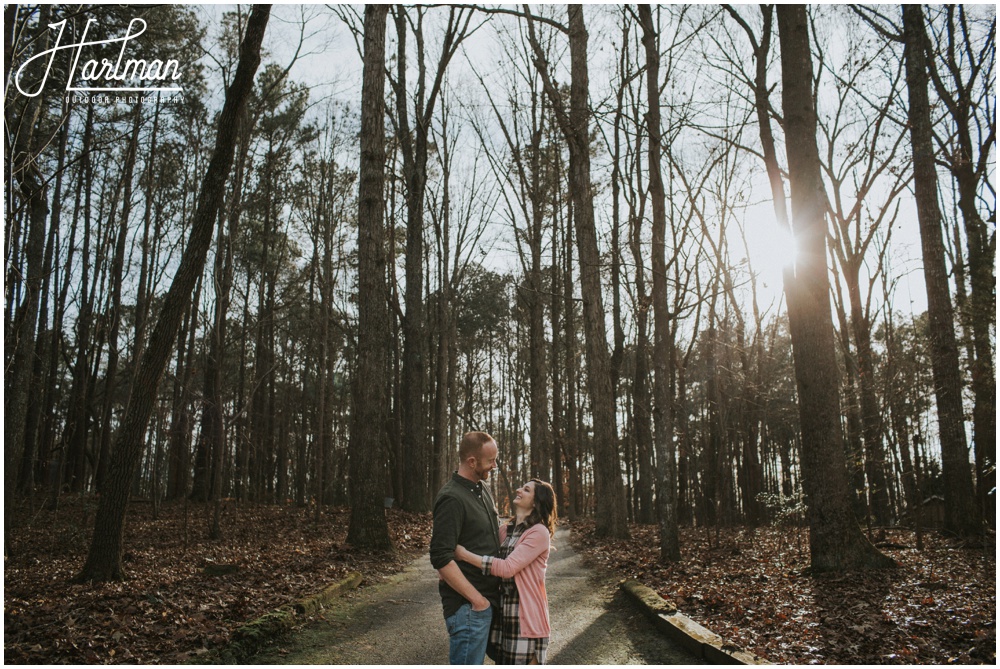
pixel 666 456
pixel 871 415
pixel 969 173
pixel 610 516
pixel 33 196
pixel 368 528
pixel 541 458
pixel 117 275
pixel 641 400
pixel 573 449
pixel 45 363
pixel 835 540
pixel 413 372
pixel 612 519
pixel 75 430
pixel 961 514
pixel 104 561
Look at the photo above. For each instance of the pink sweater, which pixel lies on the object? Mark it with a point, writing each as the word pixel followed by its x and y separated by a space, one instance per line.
pixel 527 563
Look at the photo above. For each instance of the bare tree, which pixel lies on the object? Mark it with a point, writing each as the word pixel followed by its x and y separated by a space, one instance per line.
pixel 368 528
pixel 666 457
pixel 962 69
pixel 104 561
pixel 961 514
pixel 611 516
pixel 835 540
pixel 524 132
pixel 860 166
pixel 32 194
pixel 414 144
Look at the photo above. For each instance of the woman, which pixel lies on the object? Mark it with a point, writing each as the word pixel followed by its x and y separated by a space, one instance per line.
pixel 520 634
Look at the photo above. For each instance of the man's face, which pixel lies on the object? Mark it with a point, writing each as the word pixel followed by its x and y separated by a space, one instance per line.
pixel 487 460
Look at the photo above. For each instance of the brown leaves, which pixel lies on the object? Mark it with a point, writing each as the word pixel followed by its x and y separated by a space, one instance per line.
pixel 752 589
pixel 169 609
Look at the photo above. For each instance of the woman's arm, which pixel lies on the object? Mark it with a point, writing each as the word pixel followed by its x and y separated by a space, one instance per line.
pixel 533 543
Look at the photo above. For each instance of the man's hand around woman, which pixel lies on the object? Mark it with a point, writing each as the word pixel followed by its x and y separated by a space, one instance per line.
pixel 464 555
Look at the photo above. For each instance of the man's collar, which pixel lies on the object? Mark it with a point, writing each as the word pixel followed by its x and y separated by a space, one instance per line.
pixel 466 483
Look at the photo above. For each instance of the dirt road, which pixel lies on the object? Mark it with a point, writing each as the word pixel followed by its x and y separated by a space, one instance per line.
pixel 400 622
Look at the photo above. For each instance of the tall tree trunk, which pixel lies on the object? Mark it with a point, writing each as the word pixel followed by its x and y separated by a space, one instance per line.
pixel 642 415
pixel 104 561
pixel 611 516
pixel 438 471
pixel 871 415
pixel 180 419
pixel 75 431
pixel 835 540
pixel 573 446
pixel 894 401
pixel 961 513
pixel 713 458
pixel 752 473
pixel 666 458
pixel 416 492
pixel 117 275
pixel 685 506
pixel 212 441
pixel 144 291
pixel 368 528
pixel 854 442
pixel 541 457
pixel 969 174
pixel 324 436
pixel 33 196
pixel 50 453
pixel 762 107
pixel 618 332
pixel 555 355
pixel 44 371
pixel 444 374
pixel 415 153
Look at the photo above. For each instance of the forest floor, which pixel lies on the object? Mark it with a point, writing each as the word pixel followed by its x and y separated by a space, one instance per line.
pixel 938 607
pixel 169 610
pixel 754 590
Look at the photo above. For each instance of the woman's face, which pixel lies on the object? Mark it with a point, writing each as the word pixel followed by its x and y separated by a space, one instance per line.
pixel 524 498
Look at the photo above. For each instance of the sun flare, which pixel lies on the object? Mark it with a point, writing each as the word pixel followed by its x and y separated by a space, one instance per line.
pixel 769 245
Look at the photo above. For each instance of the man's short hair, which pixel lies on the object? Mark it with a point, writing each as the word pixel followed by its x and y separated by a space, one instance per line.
pixel 472 443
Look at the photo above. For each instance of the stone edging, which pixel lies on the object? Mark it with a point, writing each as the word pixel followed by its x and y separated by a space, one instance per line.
pixel 698 640
pixel 250 638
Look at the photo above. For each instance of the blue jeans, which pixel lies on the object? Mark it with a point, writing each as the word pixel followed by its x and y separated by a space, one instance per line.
pixel 469 631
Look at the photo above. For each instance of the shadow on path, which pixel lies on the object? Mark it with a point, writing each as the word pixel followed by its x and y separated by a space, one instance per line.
pixel 400 622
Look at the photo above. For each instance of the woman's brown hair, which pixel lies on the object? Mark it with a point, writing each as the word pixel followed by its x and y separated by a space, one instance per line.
pixel 545 506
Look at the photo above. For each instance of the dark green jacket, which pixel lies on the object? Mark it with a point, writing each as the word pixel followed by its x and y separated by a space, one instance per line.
pixel 464 513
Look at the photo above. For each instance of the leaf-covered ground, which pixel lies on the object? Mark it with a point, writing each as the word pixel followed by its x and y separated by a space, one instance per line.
pixel 169 609
pixel 937 607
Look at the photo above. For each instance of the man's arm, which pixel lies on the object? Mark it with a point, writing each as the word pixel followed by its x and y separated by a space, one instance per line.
pixel 448 519
pixel 453 576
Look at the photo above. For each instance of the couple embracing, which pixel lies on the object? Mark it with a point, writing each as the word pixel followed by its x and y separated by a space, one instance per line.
pixel 492 577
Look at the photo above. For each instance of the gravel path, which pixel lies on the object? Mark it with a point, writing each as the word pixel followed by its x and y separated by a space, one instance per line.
pixel 400 622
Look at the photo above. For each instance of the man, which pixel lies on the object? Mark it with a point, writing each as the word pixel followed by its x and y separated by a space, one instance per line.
pixel 464 513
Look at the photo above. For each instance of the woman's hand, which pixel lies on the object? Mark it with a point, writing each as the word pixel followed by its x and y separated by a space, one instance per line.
pixel 464 555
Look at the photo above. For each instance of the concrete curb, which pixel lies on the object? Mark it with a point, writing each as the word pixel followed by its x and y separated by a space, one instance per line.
pixel 701 642
pixel 312 604
pixel 250 638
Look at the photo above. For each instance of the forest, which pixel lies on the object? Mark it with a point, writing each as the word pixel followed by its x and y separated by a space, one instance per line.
pixel 700 266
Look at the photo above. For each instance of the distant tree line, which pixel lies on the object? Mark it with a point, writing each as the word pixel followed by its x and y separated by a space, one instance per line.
pixel 551 243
